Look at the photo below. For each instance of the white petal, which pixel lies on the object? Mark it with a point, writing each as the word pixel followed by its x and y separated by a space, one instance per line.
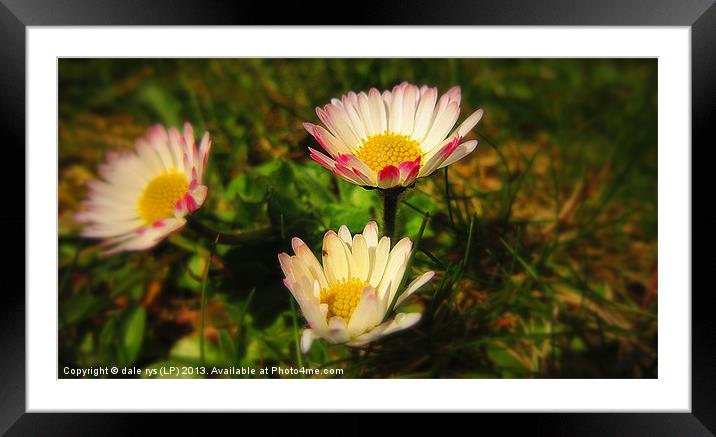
pixel 414 286
pixel 392 279
pixel 149 236
pixel 204 148
pixel 307 340
pixel 343 128
pixel 309 261
pixel 345 235
pixel 470 122
pixel 401 321
pixel 440 128
pixel 361 258
pixel 370 233
pixel 335 261
pixel 355 120
pixel 284 260
pixel 149 157
pixel 365 114
pixel 367 314
pixel 381 259
pixel 311 310
pixel 176 148
pixel 394 270
pixel 424 113
pixel 409 102
pixel 462 151
pixel 395 111
pixel 377 110
pixel 337 332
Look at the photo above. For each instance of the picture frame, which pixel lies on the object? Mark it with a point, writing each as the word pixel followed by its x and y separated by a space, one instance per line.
pixel 16 16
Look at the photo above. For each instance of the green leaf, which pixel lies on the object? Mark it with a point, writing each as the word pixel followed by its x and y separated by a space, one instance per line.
pixel 508 365
pixel 162 103
pixel 133 334
pixel 354 218
pixel 227 347
pixel 77 308
pixel 248 188
pixel 186 351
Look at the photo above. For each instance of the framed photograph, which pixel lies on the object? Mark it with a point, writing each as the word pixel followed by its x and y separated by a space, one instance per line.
pixel 401 216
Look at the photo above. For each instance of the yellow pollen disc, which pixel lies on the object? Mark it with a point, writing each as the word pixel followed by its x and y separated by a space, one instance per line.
pixel 382 150
pixel 160 195
pixel 343 297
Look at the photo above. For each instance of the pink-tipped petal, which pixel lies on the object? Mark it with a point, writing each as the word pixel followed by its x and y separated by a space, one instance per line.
pixel 296 244
pixel 439 155
pixel 349 175
pixel 324 138
pixel 407 166
pixel 410 177
pixel 409 170
pixel 450 147
pixel 462 151
pixel 181 208
pixel 322 159
pixel 157 135
pixel 188 134
pixel 198 196
pixel 204 149
pixel 388 177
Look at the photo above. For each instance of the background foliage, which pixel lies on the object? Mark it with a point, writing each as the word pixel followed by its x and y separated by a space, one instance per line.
pixel 557 278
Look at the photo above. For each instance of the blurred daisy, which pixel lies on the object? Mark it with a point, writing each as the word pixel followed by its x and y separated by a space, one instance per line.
pixel 345 299
pixel 144 196
pixel 387 140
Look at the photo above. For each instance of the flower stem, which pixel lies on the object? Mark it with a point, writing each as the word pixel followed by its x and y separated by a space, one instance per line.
pixel 296 341
pixel 447 197
pixel 390 209
pixel 202 310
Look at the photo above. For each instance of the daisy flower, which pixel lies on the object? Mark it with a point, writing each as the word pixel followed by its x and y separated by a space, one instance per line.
pixel 388 140
pixel 144 196
pixel 345 299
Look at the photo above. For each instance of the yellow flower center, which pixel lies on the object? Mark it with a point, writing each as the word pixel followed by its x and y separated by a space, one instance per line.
pixel 160 195
pixel 382 150
pixel 343 297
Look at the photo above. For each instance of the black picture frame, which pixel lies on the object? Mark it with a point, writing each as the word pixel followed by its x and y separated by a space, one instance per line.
pixel 16 15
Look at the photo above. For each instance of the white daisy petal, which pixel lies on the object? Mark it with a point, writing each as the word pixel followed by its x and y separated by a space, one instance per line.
pixel 307 340
pixel 424 113
pixel 381 259
pixel 361 257
pixel 415 285
pixel 345 235
pixel 335 262
pixel 354 118
pixel 303 252
pixel 406 320
pixel 441 126
pixel 410 99
pixel 337 331
pixel 377 110
pixel 469 123
pixel 395 111
pixel 365 114
pixel 462 151
pixel 367 314
pixel 370 233
pixel 149 236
